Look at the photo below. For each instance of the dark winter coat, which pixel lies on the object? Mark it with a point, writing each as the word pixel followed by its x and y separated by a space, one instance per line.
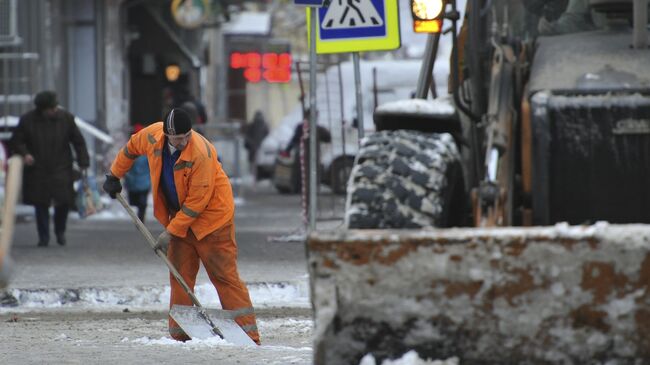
pixel 254 134
pixel 322 135
pixel 50 178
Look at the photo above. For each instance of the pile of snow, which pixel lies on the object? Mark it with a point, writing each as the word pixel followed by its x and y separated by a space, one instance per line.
pixel 263 295
pixel 440 106
pixel 409 358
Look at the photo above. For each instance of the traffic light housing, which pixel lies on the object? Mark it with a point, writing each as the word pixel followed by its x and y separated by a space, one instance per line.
pixel 427 15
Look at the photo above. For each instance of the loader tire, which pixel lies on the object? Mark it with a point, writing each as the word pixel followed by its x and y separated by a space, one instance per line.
pixel 406 179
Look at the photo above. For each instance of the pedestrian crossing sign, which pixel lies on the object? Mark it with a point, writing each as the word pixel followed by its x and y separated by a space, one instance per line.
pixel 356 26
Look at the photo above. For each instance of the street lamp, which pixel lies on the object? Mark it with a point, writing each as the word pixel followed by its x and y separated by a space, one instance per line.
pixel 172 72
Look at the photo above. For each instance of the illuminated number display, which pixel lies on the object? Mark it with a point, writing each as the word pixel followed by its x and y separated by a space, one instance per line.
pixel 270 67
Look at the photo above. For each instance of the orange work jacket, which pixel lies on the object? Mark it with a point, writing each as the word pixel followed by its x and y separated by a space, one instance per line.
pixel 204 191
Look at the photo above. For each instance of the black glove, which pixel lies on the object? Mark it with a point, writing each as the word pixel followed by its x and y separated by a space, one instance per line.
pixel 112 186
pixel 163 242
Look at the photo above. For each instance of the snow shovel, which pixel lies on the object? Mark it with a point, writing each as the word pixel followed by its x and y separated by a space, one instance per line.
pixel 196 321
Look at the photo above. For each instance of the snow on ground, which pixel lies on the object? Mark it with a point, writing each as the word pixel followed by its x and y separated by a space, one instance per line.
pixel 59 337
pixel 263 295
pixel 298 236
pixel 300 327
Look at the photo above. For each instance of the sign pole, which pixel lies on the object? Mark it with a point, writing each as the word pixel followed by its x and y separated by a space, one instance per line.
pixel 313 164
pixel 426 71
pixel 369 25
pixel 357 86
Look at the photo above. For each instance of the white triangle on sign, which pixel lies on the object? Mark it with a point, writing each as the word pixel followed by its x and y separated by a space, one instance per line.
pixel 342 14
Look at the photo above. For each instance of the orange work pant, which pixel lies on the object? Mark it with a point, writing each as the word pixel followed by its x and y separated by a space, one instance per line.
pixel 218 253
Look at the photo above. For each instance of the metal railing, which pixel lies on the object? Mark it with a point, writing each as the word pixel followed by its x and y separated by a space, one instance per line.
pixel 19 75
pixel 8 23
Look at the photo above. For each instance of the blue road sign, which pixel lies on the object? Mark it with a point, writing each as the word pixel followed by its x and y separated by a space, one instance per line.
pixel 365 20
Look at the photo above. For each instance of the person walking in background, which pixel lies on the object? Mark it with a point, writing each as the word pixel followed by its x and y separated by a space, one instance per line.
pixel 43 137
pixel 138 182
pixel 323 135
pixel 254 134
pixel 193 200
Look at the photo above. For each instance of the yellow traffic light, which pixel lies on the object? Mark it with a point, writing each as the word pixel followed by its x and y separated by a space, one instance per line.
pixel 427 15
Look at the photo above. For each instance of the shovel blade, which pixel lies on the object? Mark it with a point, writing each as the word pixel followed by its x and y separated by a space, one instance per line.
pixel 196 326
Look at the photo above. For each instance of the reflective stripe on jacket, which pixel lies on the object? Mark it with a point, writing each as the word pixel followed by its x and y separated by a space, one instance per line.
pixel 204 191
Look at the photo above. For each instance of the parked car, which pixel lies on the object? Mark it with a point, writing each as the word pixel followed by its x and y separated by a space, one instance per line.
pixel 381 81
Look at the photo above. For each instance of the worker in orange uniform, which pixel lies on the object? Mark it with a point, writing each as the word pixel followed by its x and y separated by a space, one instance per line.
pixel 193 200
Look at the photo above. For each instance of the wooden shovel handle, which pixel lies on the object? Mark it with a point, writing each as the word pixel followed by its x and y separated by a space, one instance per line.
pixel 152 242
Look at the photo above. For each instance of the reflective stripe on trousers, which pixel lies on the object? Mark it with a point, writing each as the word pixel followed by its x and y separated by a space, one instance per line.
pixel 218 253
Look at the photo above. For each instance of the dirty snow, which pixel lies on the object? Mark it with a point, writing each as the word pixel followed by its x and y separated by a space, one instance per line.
pixel 299 236
pixel 141 338
pixel 298 327
pixel 209 342
pixel 166 341
pixel 263 295
pixel 409 358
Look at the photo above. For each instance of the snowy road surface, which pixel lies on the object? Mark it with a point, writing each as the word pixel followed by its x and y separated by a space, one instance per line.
pixel 102 298
pixel 81 337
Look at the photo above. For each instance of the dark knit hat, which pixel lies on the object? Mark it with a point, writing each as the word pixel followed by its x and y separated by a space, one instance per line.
pixel 45 100
pixel 177 121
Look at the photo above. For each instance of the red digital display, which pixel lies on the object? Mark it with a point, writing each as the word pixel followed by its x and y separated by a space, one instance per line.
pixel 277 75
pixel 271 67
pixel 253 74
pixel 237 60
pixel 253 60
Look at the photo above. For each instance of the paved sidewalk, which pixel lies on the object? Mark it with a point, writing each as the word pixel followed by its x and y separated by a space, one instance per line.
pixel 110 252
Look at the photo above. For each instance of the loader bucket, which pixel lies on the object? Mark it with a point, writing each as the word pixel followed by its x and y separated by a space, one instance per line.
pixel 561 294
